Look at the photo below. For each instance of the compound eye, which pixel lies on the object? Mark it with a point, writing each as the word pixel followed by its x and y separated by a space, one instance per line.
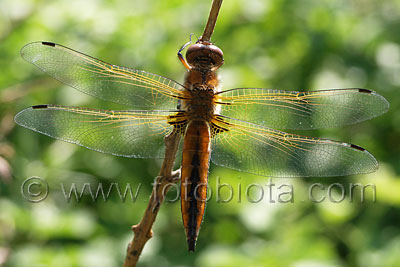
pixel 206 56
pixel 217 55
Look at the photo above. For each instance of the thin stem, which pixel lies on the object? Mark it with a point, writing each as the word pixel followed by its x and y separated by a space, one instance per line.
pixel 212 20
pixel 142 231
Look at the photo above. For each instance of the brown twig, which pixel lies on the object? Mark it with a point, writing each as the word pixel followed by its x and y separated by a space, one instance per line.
pixel 142 231
pixel 212 20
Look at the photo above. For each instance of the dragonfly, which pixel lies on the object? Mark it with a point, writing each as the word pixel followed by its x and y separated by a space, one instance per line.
pixel 234 128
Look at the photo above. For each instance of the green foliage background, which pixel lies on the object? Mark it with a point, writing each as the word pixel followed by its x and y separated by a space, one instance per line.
pixel 282 44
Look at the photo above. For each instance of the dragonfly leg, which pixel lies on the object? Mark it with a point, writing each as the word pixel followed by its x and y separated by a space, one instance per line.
pixel 180 56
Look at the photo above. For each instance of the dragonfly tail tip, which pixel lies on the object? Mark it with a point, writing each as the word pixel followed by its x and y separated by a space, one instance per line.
pixel 191 244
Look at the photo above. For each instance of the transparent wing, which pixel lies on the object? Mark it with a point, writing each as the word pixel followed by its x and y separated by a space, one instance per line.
pixel 263 151
pixel 136 134
pixel 302 110
pixel 105 81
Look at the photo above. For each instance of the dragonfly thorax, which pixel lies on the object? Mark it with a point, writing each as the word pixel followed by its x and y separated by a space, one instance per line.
pixel 200 105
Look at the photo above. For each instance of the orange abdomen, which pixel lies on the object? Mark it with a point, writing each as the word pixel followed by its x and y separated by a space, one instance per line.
pixel 194 175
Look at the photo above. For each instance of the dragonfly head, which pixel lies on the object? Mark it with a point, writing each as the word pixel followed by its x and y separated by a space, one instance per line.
pixel 204 55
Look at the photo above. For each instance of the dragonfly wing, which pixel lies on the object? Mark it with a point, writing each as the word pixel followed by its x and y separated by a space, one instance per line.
pixel 100 79
pixel 302 110
pixel 136 134
pixel 263 151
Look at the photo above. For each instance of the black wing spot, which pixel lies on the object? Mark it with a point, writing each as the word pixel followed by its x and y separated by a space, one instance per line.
pixel 216 129
pixel 365 91
pixel 49 44
pixel 357 147
pixel 40 106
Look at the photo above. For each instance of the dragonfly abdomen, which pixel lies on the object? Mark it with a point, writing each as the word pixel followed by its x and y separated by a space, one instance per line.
pixel 195 164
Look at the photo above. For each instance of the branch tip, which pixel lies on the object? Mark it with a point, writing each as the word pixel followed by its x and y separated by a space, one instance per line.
pixel 135 228
pixel 212 20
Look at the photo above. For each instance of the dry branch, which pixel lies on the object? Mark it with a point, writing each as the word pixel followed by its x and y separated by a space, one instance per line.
pixel 212 20
pixel 142 231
